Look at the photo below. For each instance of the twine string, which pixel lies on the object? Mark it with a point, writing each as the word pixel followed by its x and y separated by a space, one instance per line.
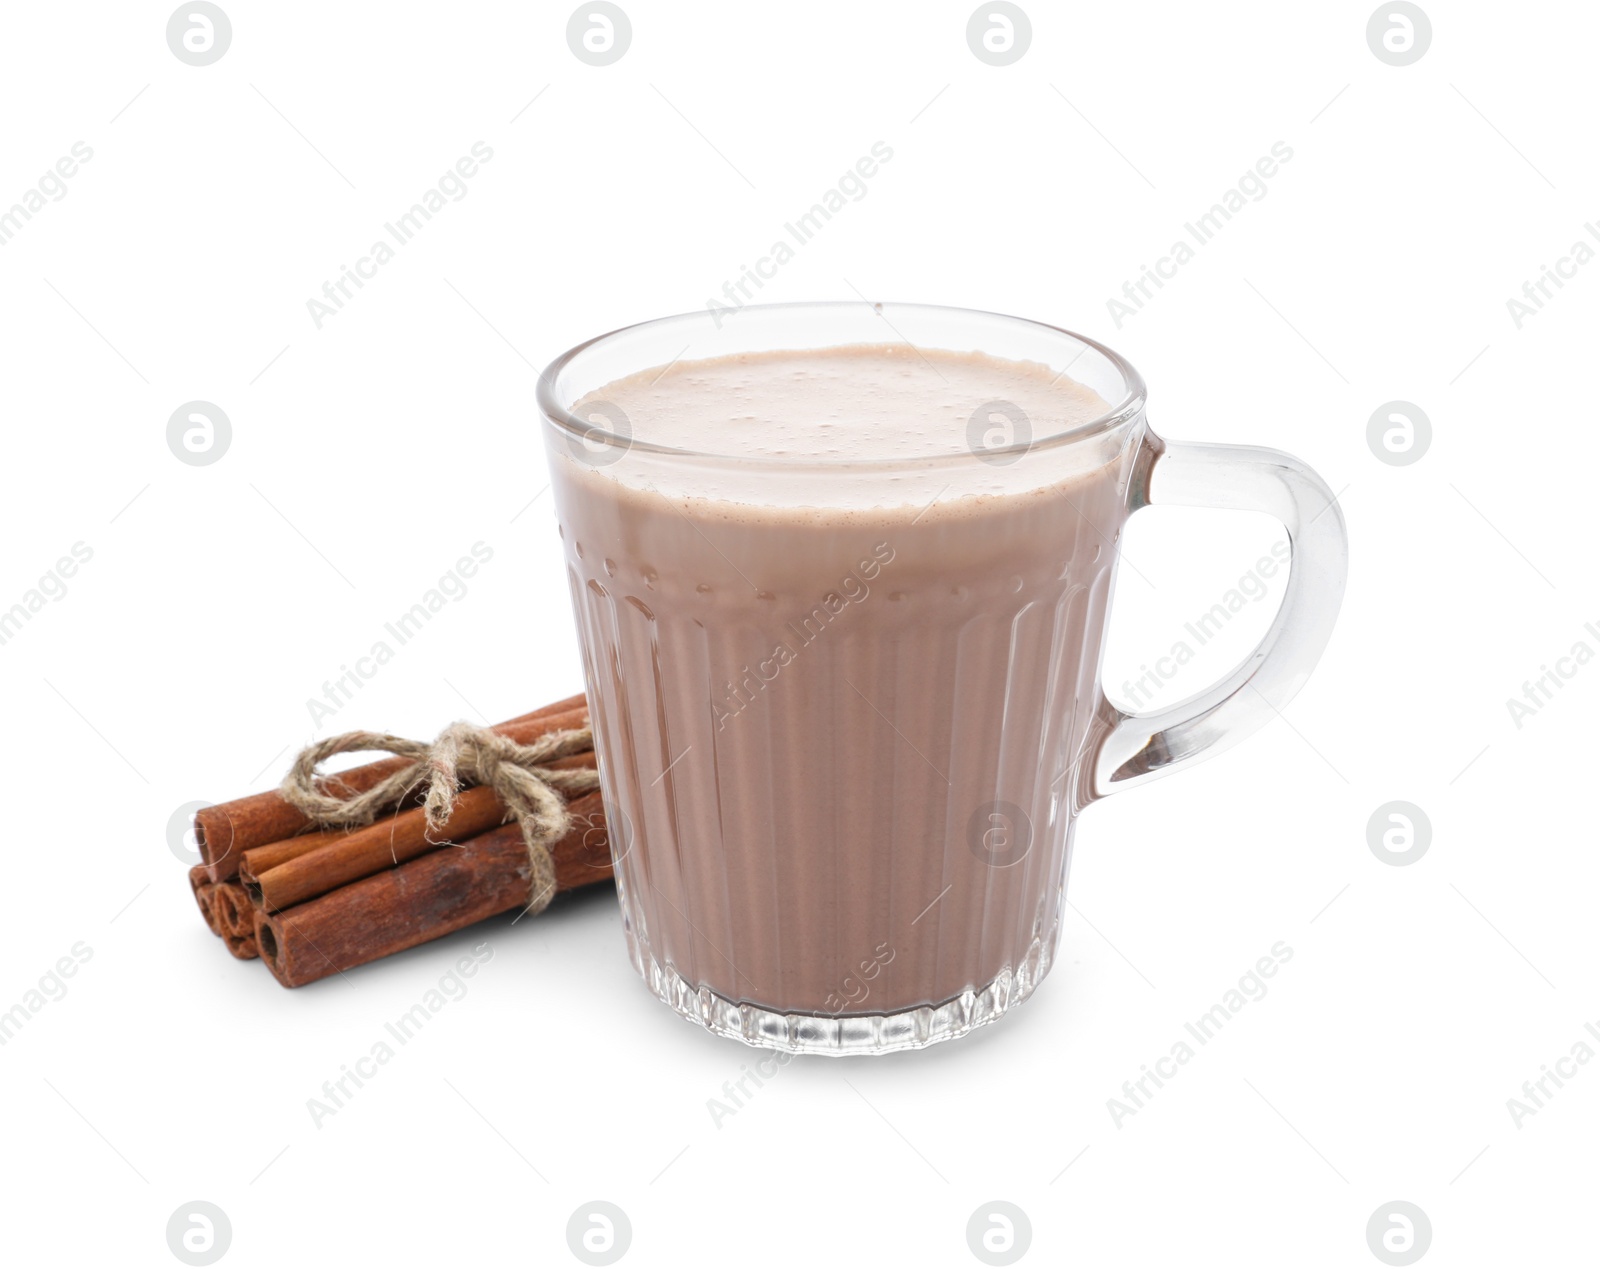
pixel 535 795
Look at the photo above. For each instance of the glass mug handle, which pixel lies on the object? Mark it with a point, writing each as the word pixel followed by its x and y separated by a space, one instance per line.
pixel 1141 747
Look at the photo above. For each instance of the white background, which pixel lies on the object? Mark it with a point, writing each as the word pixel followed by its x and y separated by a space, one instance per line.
pixel 370 454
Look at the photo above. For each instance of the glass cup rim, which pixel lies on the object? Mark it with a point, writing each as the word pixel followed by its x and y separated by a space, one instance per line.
pixel 582 430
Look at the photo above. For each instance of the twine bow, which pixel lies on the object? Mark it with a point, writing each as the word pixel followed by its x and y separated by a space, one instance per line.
pixel 462 754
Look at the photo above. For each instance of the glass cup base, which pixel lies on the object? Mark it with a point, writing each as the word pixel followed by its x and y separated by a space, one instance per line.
pixel 848 1035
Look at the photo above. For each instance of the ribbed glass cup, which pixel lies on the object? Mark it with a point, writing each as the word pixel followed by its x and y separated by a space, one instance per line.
pixel 842 709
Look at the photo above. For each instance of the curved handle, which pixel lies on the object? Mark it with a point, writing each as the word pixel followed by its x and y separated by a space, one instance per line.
pixel 1140 747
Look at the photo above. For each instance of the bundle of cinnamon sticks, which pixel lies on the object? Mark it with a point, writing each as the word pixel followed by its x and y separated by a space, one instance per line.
pixel 312 903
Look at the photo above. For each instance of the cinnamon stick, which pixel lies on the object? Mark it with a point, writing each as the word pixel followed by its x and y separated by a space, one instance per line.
pixel 233 909
pixel 436 894
pixel 346 854
pixel 244 947
pixel 225 831
pixel 386 844
pixel 236 920
pixel 205 896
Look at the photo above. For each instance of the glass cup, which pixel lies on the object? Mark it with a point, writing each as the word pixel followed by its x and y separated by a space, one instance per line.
pixel 846 712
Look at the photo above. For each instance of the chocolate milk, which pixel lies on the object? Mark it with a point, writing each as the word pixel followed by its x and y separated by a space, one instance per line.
pixel 844 675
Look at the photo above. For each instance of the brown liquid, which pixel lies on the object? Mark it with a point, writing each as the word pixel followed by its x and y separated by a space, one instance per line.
pixel 809 689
